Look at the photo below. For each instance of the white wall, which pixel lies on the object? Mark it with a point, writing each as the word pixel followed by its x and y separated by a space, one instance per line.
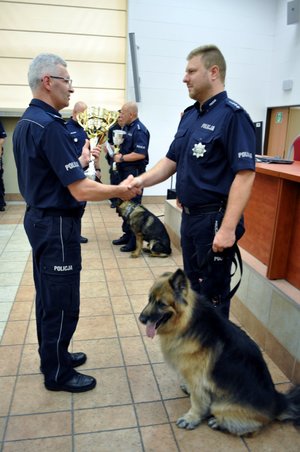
pixel 259 48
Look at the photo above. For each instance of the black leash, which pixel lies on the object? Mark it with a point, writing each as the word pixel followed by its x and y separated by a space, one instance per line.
pixel 236 259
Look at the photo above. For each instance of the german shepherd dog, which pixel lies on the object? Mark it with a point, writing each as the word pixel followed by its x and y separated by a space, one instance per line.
pixel 224 370
pixel 146 227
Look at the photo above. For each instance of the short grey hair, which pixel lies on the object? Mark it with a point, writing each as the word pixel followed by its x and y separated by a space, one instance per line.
pixel 41 65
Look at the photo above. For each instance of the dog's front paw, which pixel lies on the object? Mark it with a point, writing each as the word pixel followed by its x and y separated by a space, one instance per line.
pixel 188 421
pixel 213 423
pixel 134 254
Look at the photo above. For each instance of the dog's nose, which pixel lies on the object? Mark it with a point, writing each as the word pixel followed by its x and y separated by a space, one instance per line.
pixel 143 319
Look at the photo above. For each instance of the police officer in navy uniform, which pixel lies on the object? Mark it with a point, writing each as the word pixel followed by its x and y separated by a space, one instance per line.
pixel 113 173
pixel 2 189
pixel 54 186
pixel 213 153
pixel 132 159
pixel 79 135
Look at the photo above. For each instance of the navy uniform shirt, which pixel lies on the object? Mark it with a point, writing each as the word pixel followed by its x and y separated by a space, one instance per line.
pixel 46 158
pixel 78 135
pixel 136 140
pixel 211 145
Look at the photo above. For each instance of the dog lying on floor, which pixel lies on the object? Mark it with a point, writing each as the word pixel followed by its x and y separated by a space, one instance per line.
pixel 224 370
pixel 146 227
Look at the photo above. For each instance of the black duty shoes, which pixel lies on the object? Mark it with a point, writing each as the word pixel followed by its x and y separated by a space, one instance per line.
pixel 122 240
pixel 77 383
pixel 83 239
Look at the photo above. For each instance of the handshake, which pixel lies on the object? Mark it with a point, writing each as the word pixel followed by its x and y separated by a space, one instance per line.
pixel 131 187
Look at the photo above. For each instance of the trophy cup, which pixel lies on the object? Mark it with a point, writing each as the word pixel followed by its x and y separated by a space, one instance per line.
pixel 96 121
pixel 118 138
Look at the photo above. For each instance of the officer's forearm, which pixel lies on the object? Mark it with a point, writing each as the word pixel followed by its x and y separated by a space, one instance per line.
pixel 164 169
pixel 88 190
pixel 238 197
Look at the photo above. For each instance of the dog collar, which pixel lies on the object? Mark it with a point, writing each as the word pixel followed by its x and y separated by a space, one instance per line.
pixel 129 209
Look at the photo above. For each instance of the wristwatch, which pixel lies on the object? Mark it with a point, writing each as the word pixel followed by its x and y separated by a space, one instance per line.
pixel 122 158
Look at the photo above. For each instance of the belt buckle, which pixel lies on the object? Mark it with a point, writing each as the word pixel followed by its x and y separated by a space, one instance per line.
pixel 187 210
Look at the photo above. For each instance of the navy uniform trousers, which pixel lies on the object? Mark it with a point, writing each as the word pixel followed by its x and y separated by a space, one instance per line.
pixel 213 280
pixel 55 242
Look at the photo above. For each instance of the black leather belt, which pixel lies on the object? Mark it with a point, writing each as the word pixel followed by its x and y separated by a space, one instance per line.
pixel 204 208
pixel 52 212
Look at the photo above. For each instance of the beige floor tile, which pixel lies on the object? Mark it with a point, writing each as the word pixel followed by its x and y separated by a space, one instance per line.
pixel 10 356
pixel 168 381
pixel 91 263
pixel 95 328
pixel 119 440
pixel 31 335
pixel 112 389
pixel 134 351
pixel 93 289
pixel 59 444
pixel 139 302
pixel 139 287
pixel 129 275
pixel 30 396
pixel 121 305
pixel 158 438
pixel 30 360
pixel 116 288
pixel 100 353
pixel 151 413
pixel 210 440
pixel 95 306
pixel 126 325
pixel 109 418
pixel 142 383
pixel 6 392
pixel 25 293
pixel 277 437
pixel 89 275
pixel 14 333
pixel 41 425
pixel 21 310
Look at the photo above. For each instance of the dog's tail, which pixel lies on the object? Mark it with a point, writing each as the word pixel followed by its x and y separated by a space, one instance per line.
pixel 292 409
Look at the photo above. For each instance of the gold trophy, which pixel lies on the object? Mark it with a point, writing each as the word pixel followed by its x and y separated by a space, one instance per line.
pixel 118 138
pixel 96 121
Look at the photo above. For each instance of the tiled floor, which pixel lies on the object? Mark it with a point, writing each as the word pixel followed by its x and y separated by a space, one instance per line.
pixel 137 399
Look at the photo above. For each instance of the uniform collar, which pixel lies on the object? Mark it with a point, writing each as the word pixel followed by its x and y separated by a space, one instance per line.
pixel 41 104
pixel 132 123
pixel 212 102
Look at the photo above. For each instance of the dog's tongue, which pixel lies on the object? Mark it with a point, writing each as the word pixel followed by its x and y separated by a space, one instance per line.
pixel 150 329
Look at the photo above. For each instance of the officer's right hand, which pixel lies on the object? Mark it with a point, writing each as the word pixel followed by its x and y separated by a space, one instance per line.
pixel 85 154
pixel 128 192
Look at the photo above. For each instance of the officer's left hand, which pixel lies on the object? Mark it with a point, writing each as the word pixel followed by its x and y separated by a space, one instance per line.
pixel 131 191
pixel 223 239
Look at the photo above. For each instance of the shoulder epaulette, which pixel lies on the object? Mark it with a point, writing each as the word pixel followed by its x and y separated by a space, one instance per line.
pixel 233 105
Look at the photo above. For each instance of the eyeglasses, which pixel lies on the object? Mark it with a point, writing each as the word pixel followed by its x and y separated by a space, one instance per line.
pixel 67 80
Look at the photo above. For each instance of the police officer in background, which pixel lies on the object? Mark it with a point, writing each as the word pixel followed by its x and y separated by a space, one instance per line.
pixel 113 173
pixel 55 188
pixel 79 136
pixel 213 153
pixel 132 159
pixel 2 189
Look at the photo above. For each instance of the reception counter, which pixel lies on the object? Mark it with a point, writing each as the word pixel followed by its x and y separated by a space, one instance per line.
pixel 272 220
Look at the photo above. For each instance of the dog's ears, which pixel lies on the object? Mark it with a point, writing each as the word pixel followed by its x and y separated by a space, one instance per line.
pixel 179 283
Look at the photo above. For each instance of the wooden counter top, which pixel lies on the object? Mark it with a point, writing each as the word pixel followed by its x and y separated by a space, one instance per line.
pixel 283 171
